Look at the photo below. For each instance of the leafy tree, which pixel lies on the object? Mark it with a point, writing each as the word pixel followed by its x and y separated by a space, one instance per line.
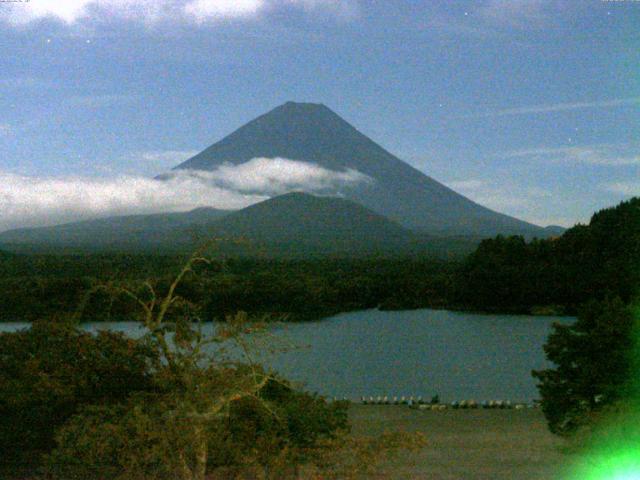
pixel 142 438
pixel 176 403
pixel 51 370
pixel 182 429
pixel 594 361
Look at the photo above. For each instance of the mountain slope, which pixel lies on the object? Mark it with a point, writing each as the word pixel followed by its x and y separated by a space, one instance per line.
pixel 132 233
pixel 313 133
pixel 298 223
pixel 294 225
pixel 302 225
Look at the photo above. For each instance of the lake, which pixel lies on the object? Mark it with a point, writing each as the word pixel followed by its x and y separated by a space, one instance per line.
pixel 418 352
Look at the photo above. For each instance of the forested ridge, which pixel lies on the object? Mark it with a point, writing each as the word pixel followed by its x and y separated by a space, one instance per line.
pixel 588 262
pixel 504 275
pixel 44 286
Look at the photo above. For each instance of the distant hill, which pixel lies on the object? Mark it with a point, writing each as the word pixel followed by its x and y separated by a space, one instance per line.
pixel 297 215
pixel 554 230
pixel 301 224
pixel 291 225
pixel 313 133
pixel 169 231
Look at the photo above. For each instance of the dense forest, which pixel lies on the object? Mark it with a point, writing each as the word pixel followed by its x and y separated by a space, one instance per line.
pixel 45 286
pixel 504 274
pixel 588 262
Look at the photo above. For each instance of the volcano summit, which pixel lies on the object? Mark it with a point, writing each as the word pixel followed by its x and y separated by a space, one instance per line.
pixel 366 199
pixel 307 132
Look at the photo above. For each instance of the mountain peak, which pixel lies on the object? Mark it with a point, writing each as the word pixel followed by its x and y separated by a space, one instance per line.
pixel 316 116
pixel 308 106
pixel 294 130
pixel 313 133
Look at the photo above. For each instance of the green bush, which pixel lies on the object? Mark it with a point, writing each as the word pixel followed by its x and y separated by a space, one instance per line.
pixel 126 440
pixel 164 406
pixel 137 440
pixel 594 359
pixel 51 370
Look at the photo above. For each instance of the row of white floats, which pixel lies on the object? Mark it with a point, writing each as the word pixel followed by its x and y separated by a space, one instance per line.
pixel 421 404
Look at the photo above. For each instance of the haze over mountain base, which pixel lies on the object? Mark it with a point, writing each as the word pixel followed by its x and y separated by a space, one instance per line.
pixel 367 201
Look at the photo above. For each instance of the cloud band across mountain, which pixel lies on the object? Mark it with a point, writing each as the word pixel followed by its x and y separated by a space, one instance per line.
pixel 39 201
pixel 275 176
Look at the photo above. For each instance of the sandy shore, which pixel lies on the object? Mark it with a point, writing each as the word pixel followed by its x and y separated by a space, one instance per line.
pixel 468 444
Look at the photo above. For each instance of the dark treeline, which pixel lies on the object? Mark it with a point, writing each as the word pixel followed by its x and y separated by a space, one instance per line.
pixel 588 262
pixel 504 274
pixel 42 286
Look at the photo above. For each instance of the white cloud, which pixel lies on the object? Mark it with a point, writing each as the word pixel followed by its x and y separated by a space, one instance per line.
pixel 604 155
pixel 558 107
pixel 35 201
pixel 5 129
pixel 510 201
pixel 279 175
pixel 152 11
pixel 627 188
pixel 73 11
pixel 203 10
pixel 64 10
pixel 30 201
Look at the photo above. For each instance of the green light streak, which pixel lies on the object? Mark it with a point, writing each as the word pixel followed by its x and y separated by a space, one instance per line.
pixel 613 451
pixel 623 465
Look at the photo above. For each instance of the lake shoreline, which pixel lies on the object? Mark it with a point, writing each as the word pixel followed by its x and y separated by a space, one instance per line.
pixel 542 311
pixel 419 353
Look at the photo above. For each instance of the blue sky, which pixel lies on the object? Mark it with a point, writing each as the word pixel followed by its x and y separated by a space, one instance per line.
pixel 529 107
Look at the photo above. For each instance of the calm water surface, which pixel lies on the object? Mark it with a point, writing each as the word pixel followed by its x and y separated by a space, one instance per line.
pixel 419 352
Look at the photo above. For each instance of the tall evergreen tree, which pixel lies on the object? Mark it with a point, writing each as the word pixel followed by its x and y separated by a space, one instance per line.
pixel 593 360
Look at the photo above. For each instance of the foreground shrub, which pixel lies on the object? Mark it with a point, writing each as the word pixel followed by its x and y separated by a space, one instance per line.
pixel 175 404
pixel 212 405
pixel 50 371
pixel 594 360
pixel 140 440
